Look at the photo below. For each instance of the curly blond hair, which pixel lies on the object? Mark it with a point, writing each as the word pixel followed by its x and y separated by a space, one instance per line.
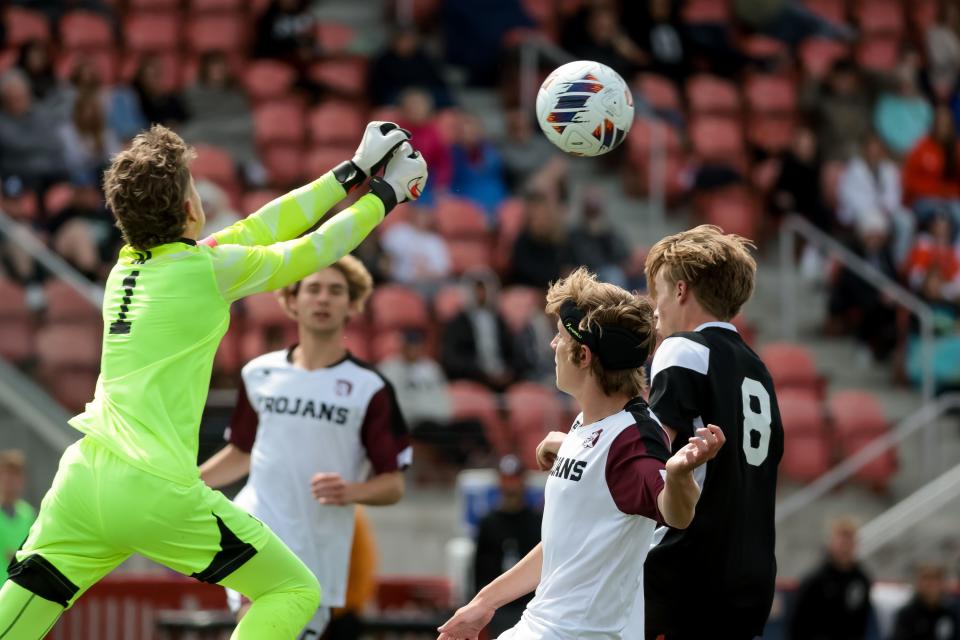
pixel 717 267
pixel 147 185
pixel 603 303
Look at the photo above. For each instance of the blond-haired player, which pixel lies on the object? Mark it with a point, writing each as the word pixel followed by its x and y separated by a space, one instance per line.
pixel 318 431
pixel 611 482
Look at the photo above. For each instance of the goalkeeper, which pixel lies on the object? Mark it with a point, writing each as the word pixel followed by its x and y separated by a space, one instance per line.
pixel 131 484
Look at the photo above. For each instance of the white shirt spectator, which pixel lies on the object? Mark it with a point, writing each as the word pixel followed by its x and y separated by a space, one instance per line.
pixel 416 254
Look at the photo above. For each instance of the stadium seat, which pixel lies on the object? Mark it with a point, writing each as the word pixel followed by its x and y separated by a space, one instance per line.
pixel 879 54
pixel 510 217
pixel 802 412
pixel 152 32
pixel 217 6
pixel 717 138
pixel 467 254
pixel 473 401
pixel 8 59
pixel 347 76
pixel 833 10
pixel 791 367
pixel 923 13
pixel 448 302
pixel 733 215
pixel 72 388
pixel 459 218
pixel 152 5
pixel 806 457
pixel 85 31
pixel 104 61
pixel 66 306
pixel 712 95
pixel 279 122
pixel 229 358
pixel 24 25
pixel 773 133
pixel 857 412
pixel 394 306
pixel 334 37
pixel 171 67
pixel 263 310
pixel 16 323
pixel 770 94
pixel 407 593
pixel 57 198
pixel 357 340
pixel 817 55
pixel 642 137
pixel 880 17
pixel 68 345
pixel 706 11
pixel 215 164
pixel 253 200
pixel 217 32
pixel 760 46
pixel 533 410
pixel 386 344
pixel 323 158
pixel 518 303
pixel 746 329
pixel 658 90
pixel 336 122
pixel 268 79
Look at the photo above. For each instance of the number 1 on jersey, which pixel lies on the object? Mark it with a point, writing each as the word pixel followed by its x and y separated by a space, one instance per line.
pixel 756 421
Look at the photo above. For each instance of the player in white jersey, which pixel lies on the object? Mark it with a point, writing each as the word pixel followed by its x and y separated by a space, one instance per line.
pixel 318 432
pixel 612 481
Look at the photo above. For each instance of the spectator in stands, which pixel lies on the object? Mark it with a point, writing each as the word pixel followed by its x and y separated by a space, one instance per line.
pixel 833 601
pixel 600 246
pixel 216 207
pixel 16 515
pixel 840 108
pixel 870 185
pixel 88 143
pixel 285 31
pixel 29 145
pixel 120 102
pixel 603 41
pixel 657 29
pixel 35 61
pixel 935 252
pixel 928 615
pixel 220 113
pixel 15 262
pixel 529 160
pixel 797 187
pixel 931 172
pixel 942 41
pixel 904 117
pixel 535 358
pixel 476 43
pixel 788 21
pixel 405 64
pixel 542 252
pixel 477 167
pixel 476 343
pixel 504 536
pixel 83 232
pixel 418 255
pixel 858 306
pixel 159 106
pixel 417 116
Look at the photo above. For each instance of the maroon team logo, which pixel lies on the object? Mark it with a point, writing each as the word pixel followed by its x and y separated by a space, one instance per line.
pixel 344 387
pixel 591 440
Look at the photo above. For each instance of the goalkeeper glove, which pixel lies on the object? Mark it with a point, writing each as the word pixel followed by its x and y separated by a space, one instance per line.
pixel 380 140
pixel 404 178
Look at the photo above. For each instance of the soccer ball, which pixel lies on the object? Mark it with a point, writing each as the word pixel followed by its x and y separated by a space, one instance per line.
pixel 585 108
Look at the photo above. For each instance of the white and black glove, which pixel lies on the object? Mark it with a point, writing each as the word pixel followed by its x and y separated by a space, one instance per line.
pixel 380 140
pixel 404 178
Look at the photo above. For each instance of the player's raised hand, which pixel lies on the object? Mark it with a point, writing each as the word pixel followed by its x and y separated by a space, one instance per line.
pixel 329 488
pixel 406 172
pixel 701 448
pixel 380 140
pixel 548 448
pixel 467 622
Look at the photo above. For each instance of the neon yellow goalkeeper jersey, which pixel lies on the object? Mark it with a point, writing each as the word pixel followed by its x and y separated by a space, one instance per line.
pixel 166 309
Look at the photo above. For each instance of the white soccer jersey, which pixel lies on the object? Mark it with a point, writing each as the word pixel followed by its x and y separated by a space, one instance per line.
pixel 600 510
pixel 295 423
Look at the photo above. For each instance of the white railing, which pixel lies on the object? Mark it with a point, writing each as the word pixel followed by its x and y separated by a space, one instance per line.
pixel 923 418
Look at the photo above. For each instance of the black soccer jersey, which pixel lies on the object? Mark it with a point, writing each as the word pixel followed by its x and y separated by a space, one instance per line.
pixel 719 573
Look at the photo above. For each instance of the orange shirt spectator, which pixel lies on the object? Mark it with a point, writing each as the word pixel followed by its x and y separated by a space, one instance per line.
pixel 934 252
pixel 929 172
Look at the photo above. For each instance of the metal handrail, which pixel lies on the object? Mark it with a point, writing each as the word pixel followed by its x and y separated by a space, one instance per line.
pixel 913 509
pixel 921 419
pixel 28 241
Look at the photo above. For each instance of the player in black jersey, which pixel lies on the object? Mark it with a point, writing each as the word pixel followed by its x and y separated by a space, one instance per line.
pixel 714 579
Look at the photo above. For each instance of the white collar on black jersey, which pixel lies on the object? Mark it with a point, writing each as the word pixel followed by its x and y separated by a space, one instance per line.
pixel 718 325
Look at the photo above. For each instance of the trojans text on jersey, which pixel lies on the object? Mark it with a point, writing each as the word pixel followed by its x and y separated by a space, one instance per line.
pixel 305 408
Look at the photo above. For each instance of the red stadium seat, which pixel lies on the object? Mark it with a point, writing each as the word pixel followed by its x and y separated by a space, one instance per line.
pixel 802 412
pixel 857 412
pixel 712 95
pixel 264 310
pixel 13 301
pixel 791 366
pixel 85 30
pixel 357 340
pixel 448 302
pixel 16 323
pixel 171 68
pixel 394 306
pixel 104 62
pixel 716 138
pixel 152 32
pixel 771 94
pixel 285 164
pixel 386 344
pixel 72 388
pixel 347 76
pixel 279 122
pixel 57 198
pixel 67 345
pixel 817 55
pixel 642 137
pixel 217 32
pixel 217 6
pixel 832 10
pixel 510 217
pixel 268 79
pixel 706 11
pixel 466 254
pixel 746 329
pixel 408 593
pixel 323 158
pixel 923 13
pixel 8 59
pixel 65 305
pixel 878 54
pixel 473 401
pixel 517 304
pixel 24 25
pixel 733 215
pixel 334 37
pixel 806 457
pixel 880 17
pixel 533 410
pixel 460 218
pixel 761 46
pixel 658 90
pixel 215 164
pixel 229 358
pixel 152 5
pixel 772 133
pixel 336 122
pixel 253 200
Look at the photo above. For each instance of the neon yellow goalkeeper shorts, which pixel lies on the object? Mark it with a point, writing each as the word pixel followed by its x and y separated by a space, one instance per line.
pixel 101 510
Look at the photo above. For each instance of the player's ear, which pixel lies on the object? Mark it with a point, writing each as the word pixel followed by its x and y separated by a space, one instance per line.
pixel 285 299
pixel 586 356
pixel 681 290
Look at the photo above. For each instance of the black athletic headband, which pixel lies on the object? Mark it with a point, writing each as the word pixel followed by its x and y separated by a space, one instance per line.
pixel 617 348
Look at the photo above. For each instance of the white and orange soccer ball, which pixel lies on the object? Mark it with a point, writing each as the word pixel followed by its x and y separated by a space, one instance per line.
pixel 585 108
